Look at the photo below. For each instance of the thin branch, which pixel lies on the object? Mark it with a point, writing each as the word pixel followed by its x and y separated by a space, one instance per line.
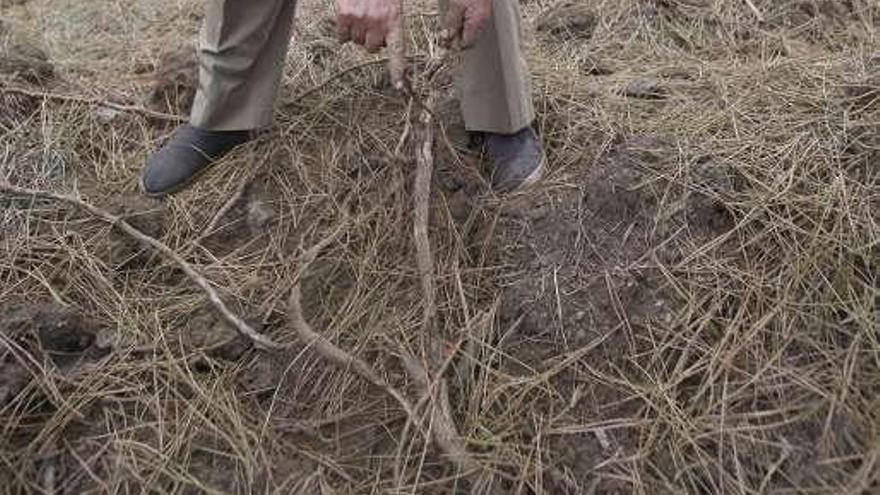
pixel 240 325
pixel 85 100
pixel 421 203
pixel 324 347
pixel 337 356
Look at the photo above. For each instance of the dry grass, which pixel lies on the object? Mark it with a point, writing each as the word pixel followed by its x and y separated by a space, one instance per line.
pixel 760 374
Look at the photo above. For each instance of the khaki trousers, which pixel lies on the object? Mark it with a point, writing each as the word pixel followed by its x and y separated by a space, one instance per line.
pixel 242 55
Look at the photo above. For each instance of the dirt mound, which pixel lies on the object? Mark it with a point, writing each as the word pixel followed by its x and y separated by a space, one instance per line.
pixel 587 276
pixel 34 334
pixel 175 81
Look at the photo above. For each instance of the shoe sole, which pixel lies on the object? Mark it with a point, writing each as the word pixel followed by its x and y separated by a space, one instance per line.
pixel 530 181
pixel 533 177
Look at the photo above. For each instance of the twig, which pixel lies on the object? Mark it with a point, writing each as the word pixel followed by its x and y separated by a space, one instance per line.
pixel 240 325
pixel 755 10
pixel 92 101
pixel 421 200
pixel 228 205
pixel 337 356
pixel 323 346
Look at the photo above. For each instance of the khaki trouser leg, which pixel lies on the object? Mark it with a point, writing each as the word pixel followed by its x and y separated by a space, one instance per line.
pixel 494 85
pixel 241 56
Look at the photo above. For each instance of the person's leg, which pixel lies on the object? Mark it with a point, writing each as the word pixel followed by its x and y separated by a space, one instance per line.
pixel 241 56
pixel 494 90
pixel 494 85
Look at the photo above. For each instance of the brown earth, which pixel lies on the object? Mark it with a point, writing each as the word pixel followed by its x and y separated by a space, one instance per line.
pixel 686 304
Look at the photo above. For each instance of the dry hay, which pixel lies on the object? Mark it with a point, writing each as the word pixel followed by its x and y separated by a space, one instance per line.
pixel 688 304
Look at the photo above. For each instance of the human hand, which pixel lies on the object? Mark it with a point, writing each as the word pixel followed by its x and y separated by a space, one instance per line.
pixel 374 24
pixel 464 22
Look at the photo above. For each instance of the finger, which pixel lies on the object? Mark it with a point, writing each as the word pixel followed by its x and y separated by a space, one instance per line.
pixel 375 40
pixel 473 29
pixel 453 22
pixel 343 28
pixel 396 54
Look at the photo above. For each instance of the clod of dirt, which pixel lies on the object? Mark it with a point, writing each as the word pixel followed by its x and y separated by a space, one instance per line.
pixel 175 80
pixel 646 89
pixel 149 216
pixel 207 331
pixel 712 183
pixel 259 214
pixel 568 21
pixel 61 333
pixel 21 57
pixel 460 205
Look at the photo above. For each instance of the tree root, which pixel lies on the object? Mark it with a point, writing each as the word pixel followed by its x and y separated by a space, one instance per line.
pixel 235 321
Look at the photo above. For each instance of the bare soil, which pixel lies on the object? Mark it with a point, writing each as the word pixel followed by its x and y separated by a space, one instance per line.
pixel 688 303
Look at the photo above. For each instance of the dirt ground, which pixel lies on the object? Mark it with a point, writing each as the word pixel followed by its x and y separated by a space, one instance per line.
pixel 687 303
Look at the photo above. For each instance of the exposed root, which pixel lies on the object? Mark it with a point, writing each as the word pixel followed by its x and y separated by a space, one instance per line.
pixel 240 325
pixel 98 102
pixel 421 204
pixel 337 356
pixel 445 432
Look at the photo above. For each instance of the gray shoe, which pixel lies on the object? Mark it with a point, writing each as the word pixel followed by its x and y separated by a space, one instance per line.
pixel 516 161
pixel 189 153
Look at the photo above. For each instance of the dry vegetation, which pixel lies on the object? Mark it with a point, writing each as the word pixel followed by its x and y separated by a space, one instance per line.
pixel 687 304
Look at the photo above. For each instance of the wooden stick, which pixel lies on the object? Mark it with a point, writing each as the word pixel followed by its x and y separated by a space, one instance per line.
pixel 421 203
pixel 240 325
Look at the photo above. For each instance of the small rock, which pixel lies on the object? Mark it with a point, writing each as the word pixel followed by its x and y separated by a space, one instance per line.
pixel 106 114
pixel 258 215
pixel 646 89
pixel 459 205
pixel 567 21
pixel 206 330
pixel 64 331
